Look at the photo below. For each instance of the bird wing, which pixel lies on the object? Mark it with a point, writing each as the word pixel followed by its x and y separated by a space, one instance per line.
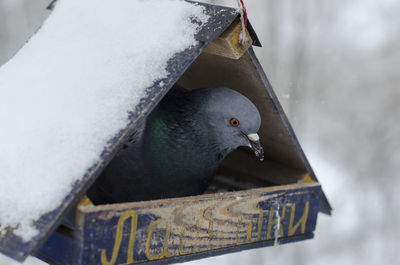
pixel 118 174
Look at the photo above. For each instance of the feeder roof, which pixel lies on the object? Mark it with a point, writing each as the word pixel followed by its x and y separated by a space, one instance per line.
pixel 72 95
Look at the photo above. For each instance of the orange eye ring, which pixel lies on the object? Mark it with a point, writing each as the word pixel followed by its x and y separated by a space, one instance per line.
pixel 234 122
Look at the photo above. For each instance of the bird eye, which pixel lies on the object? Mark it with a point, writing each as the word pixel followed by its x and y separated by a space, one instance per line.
pixel 234 122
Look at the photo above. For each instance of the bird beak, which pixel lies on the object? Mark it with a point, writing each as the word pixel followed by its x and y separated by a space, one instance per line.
pixel 254 143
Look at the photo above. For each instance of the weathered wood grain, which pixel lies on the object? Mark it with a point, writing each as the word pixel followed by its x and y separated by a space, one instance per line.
pixel 228 44
pixel 145 231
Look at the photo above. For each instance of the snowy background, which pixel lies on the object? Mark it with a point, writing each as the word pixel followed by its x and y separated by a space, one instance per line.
pixel 335 66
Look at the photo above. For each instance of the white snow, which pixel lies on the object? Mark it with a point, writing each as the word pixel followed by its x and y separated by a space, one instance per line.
pixel 68 91
pixel 29 261
pixel 278 225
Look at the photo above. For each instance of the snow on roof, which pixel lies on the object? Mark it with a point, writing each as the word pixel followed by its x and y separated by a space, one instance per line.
pixel 68 92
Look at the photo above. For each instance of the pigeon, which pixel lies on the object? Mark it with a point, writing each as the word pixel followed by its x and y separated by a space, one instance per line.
pixel 178 148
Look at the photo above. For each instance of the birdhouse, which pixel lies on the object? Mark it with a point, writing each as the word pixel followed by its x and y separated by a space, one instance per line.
pixel 250 204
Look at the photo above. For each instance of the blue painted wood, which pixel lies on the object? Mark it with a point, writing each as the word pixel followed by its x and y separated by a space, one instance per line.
pixel 59 248
pixel 208 224
pixel 12 245
pixel 228 250
pixel 221 17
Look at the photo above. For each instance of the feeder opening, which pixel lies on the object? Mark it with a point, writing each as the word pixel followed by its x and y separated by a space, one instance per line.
pixel 241 169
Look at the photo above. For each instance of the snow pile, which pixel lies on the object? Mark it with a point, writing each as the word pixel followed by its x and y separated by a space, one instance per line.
pixel 4 260
pixel 69 90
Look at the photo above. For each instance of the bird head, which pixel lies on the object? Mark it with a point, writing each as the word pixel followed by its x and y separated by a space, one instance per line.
pixel 230 118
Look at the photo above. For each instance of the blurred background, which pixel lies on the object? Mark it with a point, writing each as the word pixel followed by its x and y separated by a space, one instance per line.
pixel 335 66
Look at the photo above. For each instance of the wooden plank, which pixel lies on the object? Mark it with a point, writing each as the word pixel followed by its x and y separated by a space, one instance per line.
pixel 59 248
pixel 223 251
pixel 228 44
pixel 220 17
pixel 146 231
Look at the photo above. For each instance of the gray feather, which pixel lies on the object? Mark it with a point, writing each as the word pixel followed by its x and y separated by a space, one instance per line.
pixel 179 147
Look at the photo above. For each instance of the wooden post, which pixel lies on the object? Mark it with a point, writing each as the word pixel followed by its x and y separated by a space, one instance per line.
pixel 228 44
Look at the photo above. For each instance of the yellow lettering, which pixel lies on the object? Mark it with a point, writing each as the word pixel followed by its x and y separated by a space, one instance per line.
pixel 181 236
pixel 164 253
pixel 210 228
pixel 248 234
pixel 260 223
pixel 118 238
pixel 275 221
pixel 249 228
pixel 302 221
pixel 210 232
pixel 237 229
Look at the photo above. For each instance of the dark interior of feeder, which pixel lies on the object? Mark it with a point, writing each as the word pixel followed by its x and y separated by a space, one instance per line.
pixel 242 169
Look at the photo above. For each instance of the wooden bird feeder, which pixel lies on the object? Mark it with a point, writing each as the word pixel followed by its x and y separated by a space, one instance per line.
pixel 251 204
